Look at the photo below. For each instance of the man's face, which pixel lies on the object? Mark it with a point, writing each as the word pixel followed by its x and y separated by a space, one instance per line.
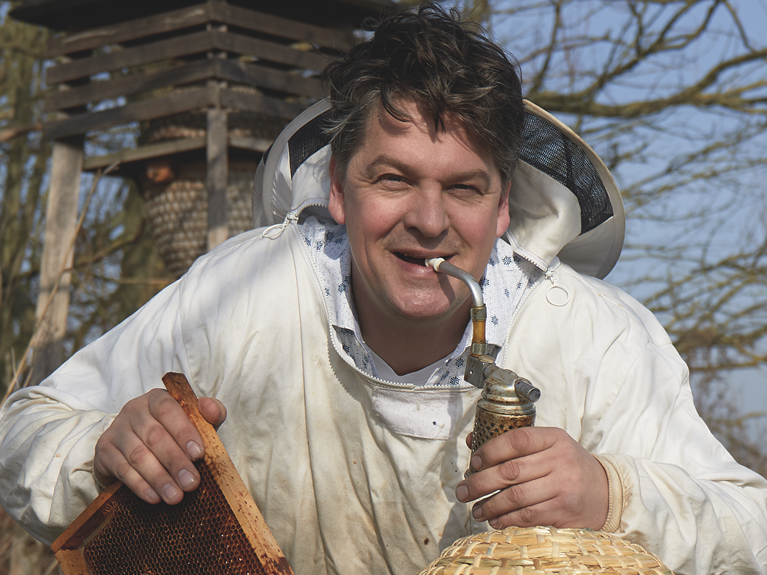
pixel 412 193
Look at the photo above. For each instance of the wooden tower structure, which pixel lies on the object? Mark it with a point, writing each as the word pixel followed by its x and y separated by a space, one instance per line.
pixel 210 84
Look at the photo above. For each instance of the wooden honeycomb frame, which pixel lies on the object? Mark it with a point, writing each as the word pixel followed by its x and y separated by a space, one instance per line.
pixel 215 529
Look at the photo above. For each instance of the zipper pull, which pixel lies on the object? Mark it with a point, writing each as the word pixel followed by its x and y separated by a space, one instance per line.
pixel 557 295
pixel 275 231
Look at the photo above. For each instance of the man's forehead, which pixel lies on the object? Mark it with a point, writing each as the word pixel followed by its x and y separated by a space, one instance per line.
pixel 414 115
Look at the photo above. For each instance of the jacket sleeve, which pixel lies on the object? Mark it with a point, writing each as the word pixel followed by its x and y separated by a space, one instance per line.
pixel 48 432
pixel 684 496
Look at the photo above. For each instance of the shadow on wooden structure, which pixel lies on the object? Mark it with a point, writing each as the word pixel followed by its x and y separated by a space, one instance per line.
pixel 210 86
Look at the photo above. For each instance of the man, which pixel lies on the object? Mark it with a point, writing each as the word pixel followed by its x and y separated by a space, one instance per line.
pixel 337 354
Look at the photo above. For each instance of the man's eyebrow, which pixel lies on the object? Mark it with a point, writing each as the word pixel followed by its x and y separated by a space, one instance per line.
pixel 386 160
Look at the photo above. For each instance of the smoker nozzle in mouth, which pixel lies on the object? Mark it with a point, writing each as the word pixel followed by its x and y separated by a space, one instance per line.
pixel 478 310
pixel 441 266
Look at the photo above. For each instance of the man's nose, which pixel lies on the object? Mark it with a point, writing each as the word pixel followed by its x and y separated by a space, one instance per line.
pixel 427 212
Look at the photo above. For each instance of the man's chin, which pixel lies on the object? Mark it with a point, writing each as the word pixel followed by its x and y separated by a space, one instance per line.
pixel 427 312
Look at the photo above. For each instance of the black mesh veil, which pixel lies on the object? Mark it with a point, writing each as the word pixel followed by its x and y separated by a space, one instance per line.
pixel 553 153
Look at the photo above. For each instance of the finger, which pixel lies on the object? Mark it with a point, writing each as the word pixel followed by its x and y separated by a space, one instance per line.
pixel 514 443
pixel 522 502
pixel 503 475
pixel 531 516
pixel 133 463
pixel 110 465
pixel 174 421
pixel 469 439
pixel 552 511
pixel 212 410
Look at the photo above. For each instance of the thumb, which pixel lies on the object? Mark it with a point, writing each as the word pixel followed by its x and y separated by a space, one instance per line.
pixel 212 410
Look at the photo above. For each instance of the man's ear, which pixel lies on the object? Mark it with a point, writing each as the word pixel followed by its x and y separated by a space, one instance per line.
pixel 336 204
pixel 503 220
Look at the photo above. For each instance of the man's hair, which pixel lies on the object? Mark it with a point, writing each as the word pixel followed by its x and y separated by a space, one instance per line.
pixel 444 65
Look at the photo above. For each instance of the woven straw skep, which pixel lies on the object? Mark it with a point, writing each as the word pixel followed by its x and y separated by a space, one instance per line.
pixel 178 209
pixel 545 551
pixel 179 214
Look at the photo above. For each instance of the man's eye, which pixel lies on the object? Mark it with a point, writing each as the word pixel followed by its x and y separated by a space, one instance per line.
pixel 392 180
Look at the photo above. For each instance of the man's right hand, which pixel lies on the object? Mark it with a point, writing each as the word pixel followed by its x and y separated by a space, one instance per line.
pixel 151 445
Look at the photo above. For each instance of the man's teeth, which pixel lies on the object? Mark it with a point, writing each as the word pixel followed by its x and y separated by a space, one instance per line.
pixel 409 259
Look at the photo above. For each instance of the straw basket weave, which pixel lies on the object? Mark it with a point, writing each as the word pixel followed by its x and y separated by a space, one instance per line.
pixel 545 551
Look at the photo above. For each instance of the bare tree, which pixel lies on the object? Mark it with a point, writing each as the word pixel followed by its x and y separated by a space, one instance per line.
pixel 673 95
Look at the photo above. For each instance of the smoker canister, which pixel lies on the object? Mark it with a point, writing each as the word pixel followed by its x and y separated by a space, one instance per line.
pixel 507 402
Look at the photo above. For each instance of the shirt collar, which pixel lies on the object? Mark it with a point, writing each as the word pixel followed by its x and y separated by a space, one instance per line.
pixel 506 280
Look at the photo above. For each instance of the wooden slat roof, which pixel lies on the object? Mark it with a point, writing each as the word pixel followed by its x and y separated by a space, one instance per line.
pixel 73 15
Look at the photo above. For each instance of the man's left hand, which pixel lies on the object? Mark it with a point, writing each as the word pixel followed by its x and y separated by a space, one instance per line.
pixel 542 476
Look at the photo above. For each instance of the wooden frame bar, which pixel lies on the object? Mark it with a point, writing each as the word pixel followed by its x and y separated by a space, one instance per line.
pixel 227 488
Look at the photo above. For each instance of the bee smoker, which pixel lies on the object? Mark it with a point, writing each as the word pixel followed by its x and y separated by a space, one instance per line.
pixel 507 400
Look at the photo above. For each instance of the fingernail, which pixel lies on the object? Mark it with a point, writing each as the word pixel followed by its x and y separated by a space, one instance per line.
pixel 493 523
pixel 477 513
pixel 476 462
pixel 185 478
pixel 169 492
pixel 193 449
pixel 151 495
pixel 462 492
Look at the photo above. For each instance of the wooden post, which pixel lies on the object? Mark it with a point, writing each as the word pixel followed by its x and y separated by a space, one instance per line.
pixel 218 160
pixel 61 221
pixel 218 176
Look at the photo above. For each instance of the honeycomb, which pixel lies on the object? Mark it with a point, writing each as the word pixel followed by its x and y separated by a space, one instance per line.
pixel 199 535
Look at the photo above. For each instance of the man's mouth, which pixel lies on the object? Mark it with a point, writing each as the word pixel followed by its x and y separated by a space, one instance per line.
pixel 415 260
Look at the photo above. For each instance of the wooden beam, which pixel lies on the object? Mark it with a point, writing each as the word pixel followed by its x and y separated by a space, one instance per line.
pixel 166 148
pixel 169 148
pixel 60 224
pixel 254 144
pixel 270 51
pixel 146 54
pixel 262 77
pixel 260 104
pixel 131 30
pixel 186 45
pixel 130 84
pixel 277 26
pixel 133 112
pixel 218 177
pixel 194 16
pixel 232 71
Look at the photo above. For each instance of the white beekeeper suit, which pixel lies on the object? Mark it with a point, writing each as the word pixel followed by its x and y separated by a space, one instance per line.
pixel 355 474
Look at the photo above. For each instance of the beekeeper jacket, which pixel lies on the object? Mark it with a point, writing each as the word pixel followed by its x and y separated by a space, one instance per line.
pixel 341 490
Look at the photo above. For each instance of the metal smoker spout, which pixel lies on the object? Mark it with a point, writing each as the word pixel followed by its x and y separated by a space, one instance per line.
pixel 507 399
